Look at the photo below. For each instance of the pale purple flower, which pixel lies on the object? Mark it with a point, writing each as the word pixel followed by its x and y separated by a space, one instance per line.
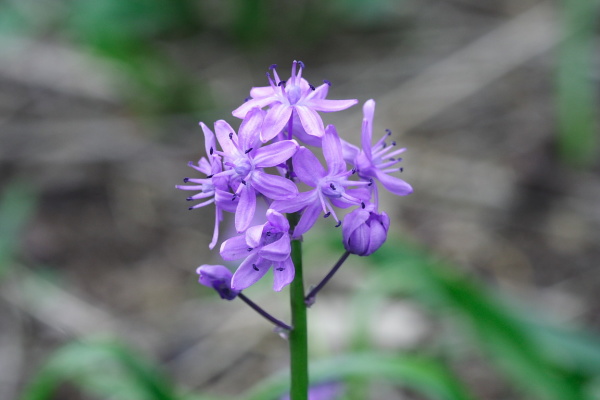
pixel 244 160
pixel 289 99
pixel 217 277
pixel 365 230
pixel 330 186
pixel 378 160
pixel 262 246
pixel 322 391
pixel 209 186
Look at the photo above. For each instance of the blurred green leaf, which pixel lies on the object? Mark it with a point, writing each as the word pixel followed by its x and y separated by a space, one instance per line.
pixel 425 376
pixel 576 101
pixel 105 369
pixel 16 207
pixel 514 347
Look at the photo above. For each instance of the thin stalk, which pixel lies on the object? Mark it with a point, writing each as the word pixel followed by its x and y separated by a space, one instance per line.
pixel 299 334
pixel 263 313
pixel 310 298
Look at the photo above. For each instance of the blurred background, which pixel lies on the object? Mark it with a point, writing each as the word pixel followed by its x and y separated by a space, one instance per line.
pixel 494 258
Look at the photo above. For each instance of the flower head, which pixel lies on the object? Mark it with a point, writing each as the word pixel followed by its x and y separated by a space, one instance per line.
pixel 292 97
pixel 244 159
pixel 262 246
pixel 365 230
pixel 331 186
pixel 217 277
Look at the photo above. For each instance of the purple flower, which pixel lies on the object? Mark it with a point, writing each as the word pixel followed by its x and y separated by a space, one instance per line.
pixel 292 97
pixel 244 160
pixel 217 277
pixel 209 186
pixel 376 161
pixel 263 246
pixel 322 391
pixel 330 187
pixel 365 230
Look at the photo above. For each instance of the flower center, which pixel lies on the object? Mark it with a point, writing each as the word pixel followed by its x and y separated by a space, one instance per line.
pixel 332 188
pixel 243 166
pixel 269 236
pixel 293 93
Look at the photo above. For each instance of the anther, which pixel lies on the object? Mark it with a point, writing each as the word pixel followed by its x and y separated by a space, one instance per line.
pixel 191 208
pixel 186 180
pixel 370 183
pixel 234 196
pixel 353 171
pixel 273 66
pixel 243 182
pixel 362 204
pixel 247 99
pixel 311 87
pixel 255 267
pixel 332 186
pixel 211 151
pixel 250 249
pixel 281 83
pixel 269 233
pixel 388 132
pixel 209 176
pixel 338 224
pixel 326 214
pixel 248 151
pixel 189 199
pixel 301 64
pixel 327 82
pixel 401 169
pixel 393 143
pixel 231 135
pixel 280 269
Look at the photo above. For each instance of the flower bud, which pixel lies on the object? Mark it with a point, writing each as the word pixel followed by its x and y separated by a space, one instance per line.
pixel 364 230
pixel 217 277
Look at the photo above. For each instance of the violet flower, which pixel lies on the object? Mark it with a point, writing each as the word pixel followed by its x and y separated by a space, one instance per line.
pixel 209 186
pixel 322 391
pixel 378 160
pixel 330 187
pixel 365 230
pixel 263 246
pixel 217 277
pixel 245 160
pixel 294 97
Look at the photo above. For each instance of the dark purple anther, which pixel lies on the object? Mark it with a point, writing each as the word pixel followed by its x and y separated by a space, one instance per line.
pixel 332 186
pixel 254 267
pixel 273 66
pixel 248 151
pixel 186 180
pixel 327 82
pixel 326 214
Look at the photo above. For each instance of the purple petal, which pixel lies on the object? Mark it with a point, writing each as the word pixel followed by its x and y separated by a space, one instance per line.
pixel 273 186
pixel 393 184
pixel 253 236
pixel 275 153
pixel 297 203
pixel 249 272
pixel 276 119
pixel 311 121
pixel 367 126
pixel 353 220
pixel 279 250
pixel 261 91
pixel 307 167
pixel 377 236
pixel 217 277
pixel 349 151
pixel 249 132
pixel 326 105
pixel 278 220
pixel 234 248
pixel 308 219
pixel 242 110
pixel 283 274
pixel 319 93
pixel 218 218
pixel 332 151
pixel 223 199
pixel 229 145
pixel 245 209
pixel 209 139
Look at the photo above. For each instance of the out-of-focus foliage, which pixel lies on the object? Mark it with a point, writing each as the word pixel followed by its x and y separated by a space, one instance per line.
pixel 577 101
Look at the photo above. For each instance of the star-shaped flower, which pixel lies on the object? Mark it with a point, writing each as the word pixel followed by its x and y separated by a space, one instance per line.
pixel 289 98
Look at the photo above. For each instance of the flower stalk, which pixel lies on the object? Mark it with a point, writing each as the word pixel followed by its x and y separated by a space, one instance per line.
pixel 310 298
pixel 263 313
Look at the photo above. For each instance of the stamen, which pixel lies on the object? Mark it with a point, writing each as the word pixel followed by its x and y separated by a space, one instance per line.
pixel 280 269
pixel 311 87
pixel 326 214
pixel 332 186
pixel 393 143
pixel 186 180
pixel 234 196
pixel 338 224
pixel 269 233
pixel 211 151
pixel 370 183
pixel 255 267
pixel 401 169
pixel 247 99
pixel 362 204
pixel 388 132
pixel 231 135
pixel 301 64
pixel 248 151
pixel 327 82
pixel 281 83
pixel 250 249
pixel 243 182
pixel 273 66
pixel 189 198
pixel 353 171
pixel 209 176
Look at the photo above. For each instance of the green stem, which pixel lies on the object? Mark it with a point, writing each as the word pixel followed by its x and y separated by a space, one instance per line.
pixel 299 335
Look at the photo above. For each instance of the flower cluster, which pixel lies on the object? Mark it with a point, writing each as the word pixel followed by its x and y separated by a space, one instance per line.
pixel 279 122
